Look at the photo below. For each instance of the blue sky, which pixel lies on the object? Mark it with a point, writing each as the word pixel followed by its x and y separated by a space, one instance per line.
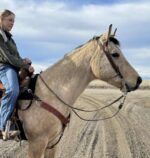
pixel 45 30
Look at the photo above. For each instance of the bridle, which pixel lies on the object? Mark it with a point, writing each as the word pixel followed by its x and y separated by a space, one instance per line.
pixel 118 73
pixel 104 46
pixel 107 53
pixel 105 49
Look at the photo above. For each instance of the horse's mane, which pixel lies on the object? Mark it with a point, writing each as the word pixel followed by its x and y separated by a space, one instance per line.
pixel 95 38
pixel 86 49
pixel 111 38
pixel 82 51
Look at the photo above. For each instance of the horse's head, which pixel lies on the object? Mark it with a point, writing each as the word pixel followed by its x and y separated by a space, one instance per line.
pixel 109 64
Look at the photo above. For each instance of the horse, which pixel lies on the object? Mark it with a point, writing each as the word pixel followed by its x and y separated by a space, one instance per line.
pixel 62 83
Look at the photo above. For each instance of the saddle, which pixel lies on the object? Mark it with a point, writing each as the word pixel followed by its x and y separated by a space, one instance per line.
pixel 24 81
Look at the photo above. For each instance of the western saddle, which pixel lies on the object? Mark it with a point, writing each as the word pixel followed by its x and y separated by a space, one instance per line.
pixel 24 78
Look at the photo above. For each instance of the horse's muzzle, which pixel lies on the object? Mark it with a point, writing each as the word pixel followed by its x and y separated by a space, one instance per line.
pixel 138 82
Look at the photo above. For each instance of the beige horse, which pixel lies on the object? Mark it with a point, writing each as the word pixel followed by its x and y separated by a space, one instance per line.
pixel 68 78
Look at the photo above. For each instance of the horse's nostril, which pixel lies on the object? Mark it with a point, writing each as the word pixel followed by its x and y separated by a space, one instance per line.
pixel 139 80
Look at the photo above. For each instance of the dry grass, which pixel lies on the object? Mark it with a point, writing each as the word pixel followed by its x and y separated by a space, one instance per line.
pixel 145 84
pixel 100 84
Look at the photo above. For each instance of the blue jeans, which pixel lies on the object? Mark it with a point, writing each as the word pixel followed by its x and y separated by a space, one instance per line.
pixel 9 78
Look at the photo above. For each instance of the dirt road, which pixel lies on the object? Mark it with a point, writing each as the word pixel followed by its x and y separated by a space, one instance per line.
pixel 127 135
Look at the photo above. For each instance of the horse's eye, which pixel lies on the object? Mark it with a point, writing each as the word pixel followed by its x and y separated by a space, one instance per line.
pixel 116 55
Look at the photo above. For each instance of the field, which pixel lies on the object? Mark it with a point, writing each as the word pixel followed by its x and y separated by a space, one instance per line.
pixel 126 135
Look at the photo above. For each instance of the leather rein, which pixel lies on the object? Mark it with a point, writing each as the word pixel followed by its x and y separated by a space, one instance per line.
pixel 75 109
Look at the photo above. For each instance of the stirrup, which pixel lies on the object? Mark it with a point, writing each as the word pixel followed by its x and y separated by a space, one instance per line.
pixel 10 134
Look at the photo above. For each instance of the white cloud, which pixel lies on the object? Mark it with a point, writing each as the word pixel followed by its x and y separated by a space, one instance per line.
pixel 139 58
pixel 144 71
pixel 57 26
pixel 39 67
pixel 138 53
pixel 143 53
pixel 54 22
pixel 49 20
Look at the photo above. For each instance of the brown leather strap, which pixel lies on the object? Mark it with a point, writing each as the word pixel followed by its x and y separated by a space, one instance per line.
pixel 108 55
pixel 54 111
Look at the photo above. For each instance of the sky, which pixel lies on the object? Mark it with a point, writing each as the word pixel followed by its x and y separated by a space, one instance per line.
pixel 45 30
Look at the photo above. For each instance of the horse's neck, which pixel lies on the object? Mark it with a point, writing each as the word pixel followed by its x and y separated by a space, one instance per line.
pixel 68 79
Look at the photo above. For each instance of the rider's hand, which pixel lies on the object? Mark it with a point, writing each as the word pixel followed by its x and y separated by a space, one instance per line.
pixel 31 69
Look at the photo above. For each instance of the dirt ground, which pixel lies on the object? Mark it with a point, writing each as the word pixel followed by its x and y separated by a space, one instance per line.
pixel 127 135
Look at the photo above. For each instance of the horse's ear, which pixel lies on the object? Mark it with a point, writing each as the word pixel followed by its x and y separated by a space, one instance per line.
pixel 104 38
pixel 109 32
pixel 114 32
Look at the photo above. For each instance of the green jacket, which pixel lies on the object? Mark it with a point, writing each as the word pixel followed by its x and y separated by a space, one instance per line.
pixel 9 53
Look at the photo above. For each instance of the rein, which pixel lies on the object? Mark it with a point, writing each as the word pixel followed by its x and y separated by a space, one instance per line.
pixel 78 109
pixel 118 73
pixel 101 119
pixel 74 109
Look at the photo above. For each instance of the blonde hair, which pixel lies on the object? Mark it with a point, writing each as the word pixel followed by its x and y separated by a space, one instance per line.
pixel 4 14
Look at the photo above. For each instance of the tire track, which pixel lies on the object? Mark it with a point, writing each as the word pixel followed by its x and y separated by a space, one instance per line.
pixel 134 131
pixel 139 146
pixel 122 143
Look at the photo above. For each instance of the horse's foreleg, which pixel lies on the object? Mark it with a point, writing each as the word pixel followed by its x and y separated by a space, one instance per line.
pixel 37 148
pixel 49 153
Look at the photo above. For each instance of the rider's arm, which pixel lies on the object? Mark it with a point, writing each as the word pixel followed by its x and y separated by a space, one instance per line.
pixel 7 58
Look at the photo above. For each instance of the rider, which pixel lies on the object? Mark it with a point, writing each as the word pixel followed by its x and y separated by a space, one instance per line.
pixel 10 63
